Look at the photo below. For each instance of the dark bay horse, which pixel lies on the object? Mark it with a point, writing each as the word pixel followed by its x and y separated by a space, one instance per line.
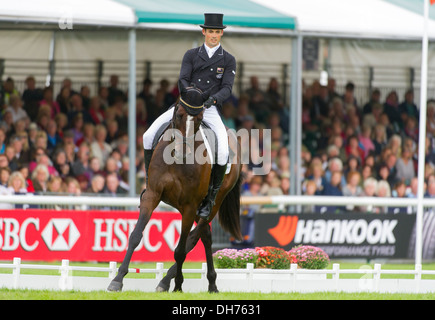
pixel 184 186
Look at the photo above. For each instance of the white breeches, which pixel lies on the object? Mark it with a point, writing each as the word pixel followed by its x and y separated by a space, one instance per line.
pixel 211 118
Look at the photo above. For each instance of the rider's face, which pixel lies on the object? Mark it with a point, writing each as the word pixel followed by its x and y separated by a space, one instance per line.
pixel 212 36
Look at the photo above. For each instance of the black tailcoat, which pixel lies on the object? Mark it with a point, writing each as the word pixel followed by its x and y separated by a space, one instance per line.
pixel 217 72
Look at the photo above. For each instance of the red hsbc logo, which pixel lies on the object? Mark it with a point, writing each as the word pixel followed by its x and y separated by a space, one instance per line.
pixel 88 235
pixel 60 234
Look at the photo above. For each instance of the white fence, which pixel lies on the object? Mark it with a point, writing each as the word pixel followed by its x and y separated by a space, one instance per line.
pixel 133 202
pixel 233 280
pixel 283 200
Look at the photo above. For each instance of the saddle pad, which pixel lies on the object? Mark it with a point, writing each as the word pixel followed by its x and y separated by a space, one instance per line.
pixel 162 129
pixel 209 150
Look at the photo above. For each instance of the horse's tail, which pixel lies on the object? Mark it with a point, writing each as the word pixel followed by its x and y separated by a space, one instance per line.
pixel 229 211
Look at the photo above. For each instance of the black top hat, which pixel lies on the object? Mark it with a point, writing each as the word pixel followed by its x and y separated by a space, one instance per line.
pixel 213 21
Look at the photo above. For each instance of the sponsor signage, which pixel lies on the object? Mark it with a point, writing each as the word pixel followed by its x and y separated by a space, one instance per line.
pixel 88 236
pixel 348 235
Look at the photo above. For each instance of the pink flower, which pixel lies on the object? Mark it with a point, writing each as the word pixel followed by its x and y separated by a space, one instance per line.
pixel 261 252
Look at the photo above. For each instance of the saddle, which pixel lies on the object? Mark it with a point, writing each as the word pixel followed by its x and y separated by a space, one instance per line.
pixel 207 139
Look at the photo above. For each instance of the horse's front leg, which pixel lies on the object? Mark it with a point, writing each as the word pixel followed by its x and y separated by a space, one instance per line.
pixel 211 273
pixel 148 203
pixel 181 252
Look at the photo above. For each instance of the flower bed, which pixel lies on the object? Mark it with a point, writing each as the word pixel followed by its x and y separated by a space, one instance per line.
pixel 233 258
pixel 272 258
pixel 307 257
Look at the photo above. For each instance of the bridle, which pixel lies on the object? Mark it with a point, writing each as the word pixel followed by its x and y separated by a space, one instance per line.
pixel 177 135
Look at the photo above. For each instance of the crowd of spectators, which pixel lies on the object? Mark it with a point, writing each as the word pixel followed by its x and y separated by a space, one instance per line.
pixel 74 142
pixel 349 149
pixel 64 142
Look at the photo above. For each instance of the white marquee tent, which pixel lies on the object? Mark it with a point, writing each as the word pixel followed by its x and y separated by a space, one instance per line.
pixel 94 13
pixel 368 19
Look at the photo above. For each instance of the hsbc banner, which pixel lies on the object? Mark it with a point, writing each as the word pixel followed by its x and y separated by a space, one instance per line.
pixel 348 235
pixel 47 235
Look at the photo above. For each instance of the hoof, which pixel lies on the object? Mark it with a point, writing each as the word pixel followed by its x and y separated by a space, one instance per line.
pixel 162 287
pixel 215 290
pixel 114 286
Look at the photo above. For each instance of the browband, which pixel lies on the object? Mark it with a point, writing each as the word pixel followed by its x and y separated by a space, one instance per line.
pixel 190 106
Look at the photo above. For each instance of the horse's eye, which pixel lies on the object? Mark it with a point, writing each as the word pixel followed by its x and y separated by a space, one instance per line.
pixel 179 116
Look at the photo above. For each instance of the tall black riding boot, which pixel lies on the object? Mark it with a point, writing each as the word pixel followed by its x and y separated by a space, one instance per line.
pixel 147 159
pixel 217 176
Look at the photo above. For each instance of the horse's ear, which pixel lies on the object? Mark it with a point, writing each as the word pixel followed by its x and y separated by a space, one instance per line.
pixel 181 87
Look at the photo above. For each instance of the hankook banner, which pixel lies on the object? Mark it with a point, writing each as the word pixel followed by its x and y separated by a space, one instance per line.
pixel 348 235
pixel 46 235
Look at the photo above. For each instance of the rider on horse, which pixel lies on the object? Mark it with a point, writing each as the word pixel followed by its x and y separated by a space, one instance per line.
pixel 209 68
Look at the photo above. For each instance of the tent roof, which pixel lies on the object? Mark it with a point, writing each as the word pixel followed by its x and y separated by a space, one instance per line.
pixel 242 13
pixel 383 19
pixel 415 6
pixel 58 12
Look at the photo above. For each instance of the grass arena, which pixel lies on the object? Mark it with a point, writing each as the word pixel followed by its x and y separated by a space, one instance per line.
pixel 65 294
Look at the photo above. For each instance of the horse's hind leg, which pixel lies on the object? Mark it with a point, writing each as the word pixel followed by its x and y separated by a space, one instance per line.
pixel 147 205
pixel 192 240
pixel 211 273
